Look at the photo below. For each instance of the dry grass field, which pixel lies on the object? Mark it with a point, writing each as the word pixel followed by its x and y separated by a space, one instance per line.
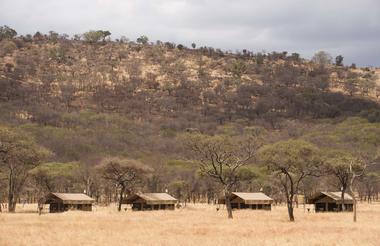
pixel 195 225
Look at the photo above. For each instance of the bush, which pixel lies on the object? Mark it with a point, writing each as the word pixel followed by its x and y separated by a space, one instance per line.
pixel 7 47
pixel 322 58
pixel 373 115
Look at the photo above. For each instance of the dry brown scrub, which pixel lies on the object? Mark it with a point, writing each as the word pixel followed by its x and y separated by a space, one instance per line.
pixel 195 225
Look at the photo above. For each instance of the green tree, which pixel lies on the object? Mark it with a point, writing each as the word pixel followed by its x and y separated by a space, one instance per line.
pixel 295 57
pixel 338 164
pixel 291 161
pixel 19 154
pixel 96 36
pixel 106 34
pixel 339 60
pixel 142 40
pixel 7 33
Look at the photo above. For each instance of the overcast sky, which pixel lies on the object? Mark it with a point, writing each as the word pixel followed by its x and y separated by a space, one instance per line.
pixel 347 27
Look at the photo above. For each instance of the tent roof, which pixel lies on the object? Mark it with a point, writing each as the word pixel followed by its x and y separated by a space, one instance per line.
pixel 70 198
pixel 151 198
pixel 335 195
pixel 250 198
pixel 253 196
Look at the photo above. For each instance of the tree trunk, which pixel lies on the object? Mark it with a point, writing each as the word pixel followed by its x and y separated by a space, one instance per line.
pixel 289 196
pixel 120 198
pixel 344 187
pixel 227 197
pixel 11 195
pixel 290 208
pixel 354 198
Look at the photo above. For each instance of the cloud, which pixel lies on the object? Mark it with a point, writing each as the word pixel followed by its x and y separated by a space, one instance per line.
pixel 347 27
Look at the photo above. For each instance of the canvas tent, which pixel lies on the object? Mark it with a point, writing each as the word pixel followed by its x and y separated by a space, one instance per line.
pixel 151 201
pixel 249 200
pixel 60 202
pixel 331 201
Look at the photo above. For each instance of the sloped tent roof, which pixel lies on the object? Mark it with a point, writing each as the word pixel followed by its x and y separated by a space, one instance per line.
pixel 151 198
pixel 68 198
pixel 250 198
pixel 336 196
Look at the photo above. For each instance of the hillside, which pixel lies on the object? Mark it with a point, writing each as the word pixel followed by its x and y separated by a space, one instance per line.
pixel 163 81
pixel 86 100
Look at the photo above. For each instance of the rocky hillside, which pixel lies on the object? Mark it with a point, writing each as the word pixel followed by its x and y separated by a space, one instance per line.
pixel 163 80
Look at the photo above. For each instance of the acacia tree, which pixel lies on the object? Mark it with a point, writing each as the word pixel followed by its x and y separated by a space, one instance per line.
pixel 221 158
pixel 95 36
pixel 338 164
pixel 19 154
pixel 7 33
pixel 358 167
pixel 125 174
pixel 291 161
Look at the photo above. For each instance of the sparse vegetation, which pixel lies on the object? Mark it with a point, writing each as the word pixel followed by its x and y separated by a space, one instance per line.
pixel 89 98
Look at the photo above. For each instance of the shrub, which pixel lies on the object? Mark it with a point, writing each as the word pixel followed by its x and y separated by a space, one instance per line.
pixel 7 47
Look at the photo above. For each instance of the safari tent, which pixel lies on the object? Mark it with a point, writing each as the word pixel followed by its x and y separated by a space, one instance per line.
pixel 245 200
pixel 331 202
pixel 151 201
pixel 60 202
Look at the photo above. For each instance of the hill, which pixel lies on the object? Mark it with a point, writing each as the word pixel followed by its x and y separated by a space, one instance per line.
pixel 87 98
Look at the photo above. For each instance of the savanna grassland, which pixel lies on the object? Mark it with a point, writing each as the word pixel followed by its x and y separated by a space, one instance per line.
pixel 197 224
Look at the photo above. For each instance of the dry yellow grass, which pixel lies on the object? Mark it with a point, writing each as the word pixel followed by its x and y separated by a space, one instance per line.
pixel 196 225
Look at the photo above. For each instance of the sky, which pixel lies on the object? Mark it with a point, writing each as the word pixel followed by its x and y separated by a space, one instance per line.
pixel 347 27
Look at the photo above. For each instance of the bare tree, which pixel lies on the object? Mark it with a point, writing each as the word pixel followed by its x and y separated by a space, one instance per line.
pixel 358 168
pixel 221 158
pixel 125 174
pixel 338 164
